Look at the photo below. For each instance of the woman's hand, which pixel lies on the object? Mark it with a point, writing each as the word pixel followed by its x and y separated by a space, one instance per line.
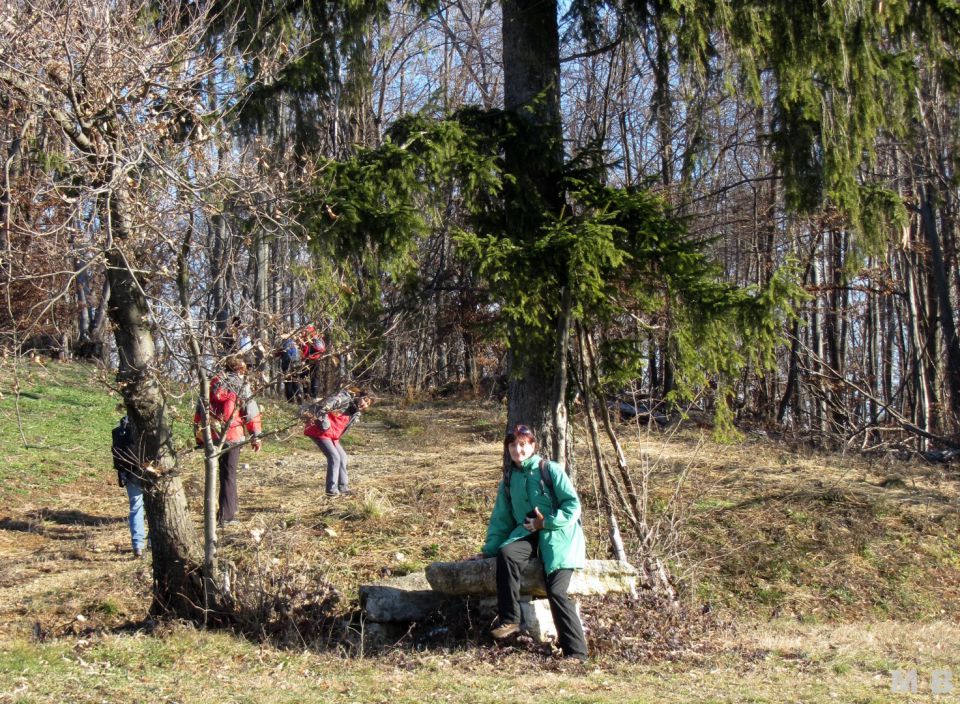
pixel 535 522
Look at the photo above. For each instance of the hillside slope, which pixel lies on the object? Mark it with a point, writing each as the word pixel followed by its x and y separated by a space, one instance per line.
pixel 753 532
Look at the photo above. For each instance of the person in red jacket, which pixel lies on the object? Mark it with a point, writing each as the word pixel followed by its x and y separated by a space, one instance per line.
pixel 311 352
pixel 326 430
pixel 232 411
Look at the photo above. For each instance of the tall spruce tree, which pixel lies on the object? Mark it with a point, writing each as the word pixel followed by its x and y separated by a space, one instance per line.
pixel 841 74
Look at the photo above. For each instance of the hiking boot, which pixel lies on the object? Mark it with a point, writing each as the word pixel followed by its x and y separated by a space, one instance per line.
pixel 505 630
pixel 138 553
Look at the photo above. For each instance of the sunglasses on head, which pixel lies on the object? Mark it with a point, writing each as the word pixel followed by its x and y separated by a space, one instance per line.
pixel 518 432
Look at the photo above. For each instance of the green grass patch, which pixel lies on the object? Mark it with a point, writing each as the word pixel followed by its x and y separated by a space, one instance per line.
pixel 185 665
pixel 57 430
pixel 712 504
pixel 404 421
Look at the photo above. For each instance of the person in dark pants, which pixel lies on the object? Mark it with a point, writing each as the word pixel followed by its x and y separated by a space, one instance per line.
pixel 536 514
pixel 290 354
pixel 312 353
pixel 232 411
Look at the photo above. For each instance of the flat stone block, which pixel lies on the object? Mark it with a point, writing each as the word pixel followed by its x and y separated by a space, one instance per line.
pixel 401 599
pixel 381 635
pixel 536 619
pixel 479 578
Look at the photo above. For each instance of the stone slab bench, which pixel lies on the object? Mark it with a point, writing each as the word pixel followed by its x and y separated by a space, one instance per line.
pixel 401 599
pixel 479 578
pixel 391 604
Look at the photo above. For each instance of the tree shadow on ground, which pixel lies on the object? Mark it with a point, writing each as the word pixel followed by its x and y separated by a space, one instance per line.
pixel 45 632
pixel 73 517
pixel 20 526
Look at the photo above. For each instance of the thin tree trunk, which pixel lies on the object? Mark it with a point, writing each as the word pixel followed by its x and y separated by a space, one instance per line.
pixel 921 401
pixel 632 506
pixel 941 294
pixel 613 528
pixel 793 367
pixel 215 581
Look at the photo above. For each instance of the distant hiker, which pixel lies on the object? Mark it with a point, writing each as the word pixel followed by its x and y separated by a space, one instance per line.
pixel 326 426
pixel 238 340
pixel 291 356
pixel 232 410
pixel 537 513
pixel 312 351
pixel 127 462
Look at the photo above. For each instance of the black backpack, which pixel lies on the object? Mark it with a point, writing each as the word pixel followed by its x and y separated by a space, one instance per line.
pixel 124 450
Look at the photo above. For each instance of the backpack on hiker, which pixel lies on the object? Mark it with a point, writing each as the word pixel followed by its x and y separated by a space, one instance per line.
pixel 290 352
pixel 314 349
pixel 340 402
pixel 124 451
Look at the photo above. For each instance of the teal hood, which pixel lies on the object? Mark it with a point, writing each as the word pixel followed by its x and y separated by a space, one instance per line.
pixel 561 541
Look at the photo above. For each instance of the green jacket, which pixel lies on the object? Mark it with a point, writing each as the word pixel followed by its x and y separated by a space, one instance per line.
pixel 561 540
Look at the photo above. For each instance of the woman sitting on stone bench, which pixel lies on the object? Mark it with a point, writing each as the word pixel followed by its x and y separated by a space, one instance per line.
pixel 536 514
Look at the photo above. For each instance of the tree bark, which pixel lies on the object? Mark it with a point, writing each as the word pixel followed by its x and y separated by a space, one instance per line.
pixel 534 156
pixel 941 287
pixel 177 585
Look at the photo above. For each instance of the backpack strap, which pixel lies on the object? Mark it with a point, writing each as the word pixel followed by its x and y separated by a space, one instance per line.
pixel 546 481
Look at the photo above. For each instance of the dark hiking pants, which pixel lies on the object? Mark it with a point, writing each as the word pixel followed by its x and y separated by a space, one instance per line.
pixel 511 559
pixel 228 505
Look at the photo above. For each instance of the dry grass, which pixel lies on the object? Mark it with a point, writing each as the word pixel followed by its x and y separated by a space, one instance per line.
pixel 856 561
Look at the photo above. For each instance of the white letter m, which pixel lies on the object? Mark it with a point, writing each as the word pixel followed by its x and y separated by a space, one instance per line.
pixel 904 681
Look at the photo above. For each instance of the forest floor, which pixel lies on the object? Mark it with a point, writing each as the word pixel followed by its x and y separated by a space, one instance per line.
pixel 805 577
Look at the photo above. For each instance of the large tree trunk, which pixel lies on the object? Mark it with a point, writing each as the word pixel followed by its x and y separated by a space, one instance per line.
pixel 177 586
pixel 531 67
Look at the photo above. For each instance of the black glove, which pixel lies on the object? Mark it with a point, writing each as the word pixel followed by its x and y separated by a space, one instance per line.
pixel 121 479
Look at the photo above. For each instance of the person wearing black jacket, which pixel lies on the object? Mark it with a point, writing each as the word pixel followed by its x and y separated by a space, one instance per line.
pixel 127 463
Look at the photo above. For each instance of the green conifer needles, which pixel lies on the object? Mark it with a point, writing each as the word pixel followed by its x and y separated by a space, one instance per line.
pixel 630 265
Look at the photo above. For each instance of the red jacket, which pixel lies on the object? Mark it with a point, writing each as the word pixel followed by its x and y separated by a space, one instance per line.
pixel 338 423
pixel 232 404
pixel 313 349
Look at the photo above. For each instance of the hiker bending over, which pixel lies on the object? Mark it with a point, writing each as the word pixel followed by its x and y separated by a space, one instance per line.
pixel 537 513
pixel 231 411
pixel 326 429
